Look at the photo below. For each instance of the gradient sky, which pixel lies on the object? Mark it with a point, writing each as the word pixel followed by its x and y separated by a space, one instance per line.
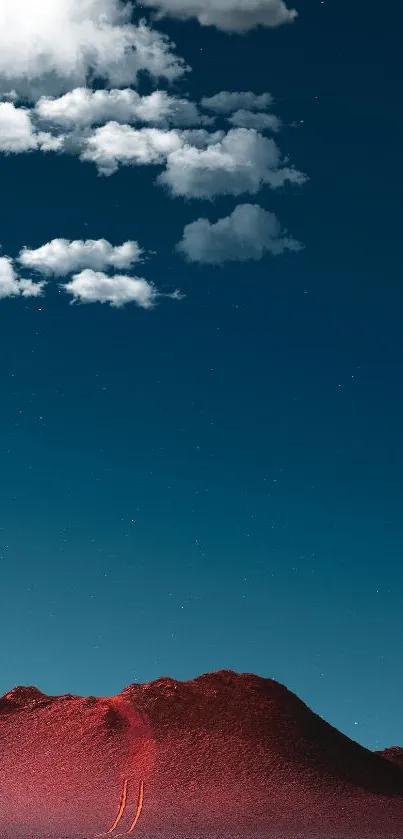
pixel 217 482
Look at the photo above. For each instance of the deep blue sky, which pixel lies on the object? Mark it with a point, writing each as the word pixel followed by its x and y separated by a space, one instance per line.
pixel 218 483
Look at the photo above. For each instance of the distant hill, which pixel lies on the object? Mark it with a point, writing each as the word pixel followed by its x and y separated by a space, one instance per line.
pixel 394 753
pixel 222 756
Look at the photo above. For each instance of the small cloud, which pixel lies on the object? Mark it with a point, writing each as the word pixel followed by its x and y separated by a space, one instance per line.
pixel 18 134
pixel 227 101
pixel 16 129
pixel 12 286
pixel 30 289
pixel 96 287
pixel 61 256
pixel 227 15
pixel 248 233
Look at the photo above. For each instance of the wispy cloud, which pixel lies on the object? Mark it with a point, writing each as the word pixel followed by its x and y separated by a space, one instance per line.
pixel 227 15
pixel 226 101
pixel 248 233
pixel 250 119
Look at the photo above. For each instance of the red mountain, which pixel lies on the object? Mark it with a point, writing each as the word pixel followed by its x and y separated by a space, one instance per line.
pixel 222 756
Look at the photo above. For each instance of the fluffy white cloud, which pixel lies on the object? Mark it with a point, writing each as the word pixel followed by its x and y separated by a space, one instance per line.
pixel 113 144
pixel 61 256
pixel 198 163
pixel 90 286
pixel 11 285
pixel 8 277
pixel 227 101
pixel 16 129
pixel 83 107
pixel 243 161
pixel 248 233
pixel 18 134
pixel 50 46
pixel 227 15
pixel 249 119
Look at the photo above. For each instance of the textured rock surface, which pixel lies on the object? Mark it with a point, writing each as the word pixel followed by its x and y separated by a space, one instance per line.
pixel 223 756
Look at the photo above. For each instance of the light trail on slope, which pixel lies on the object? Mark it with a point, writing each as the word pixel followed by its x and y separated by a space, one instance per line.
pixel 121 810
pixel 139 807
pixel 140 801
pixel 122 807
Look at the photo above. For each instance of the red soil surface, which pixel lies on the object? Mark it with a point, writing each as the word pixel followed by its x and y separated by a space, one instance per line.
pixel 223 756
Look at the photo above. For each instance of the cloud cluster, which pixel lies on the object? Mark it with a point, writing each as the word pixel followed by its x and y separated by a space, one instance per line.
pixel 76 63
pixel 83 107
pixel 52 46
pixel 86 263
pixel 198 163
pixel 248 233
pixel 227 15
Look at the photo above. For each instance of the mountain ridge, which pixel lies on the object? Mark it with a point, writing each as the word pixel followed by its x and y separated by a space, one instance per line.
pixel 220 755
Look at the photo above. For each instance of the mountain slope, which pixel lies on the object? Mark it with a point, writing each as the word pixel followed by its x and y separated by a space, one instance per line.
pixel 222 756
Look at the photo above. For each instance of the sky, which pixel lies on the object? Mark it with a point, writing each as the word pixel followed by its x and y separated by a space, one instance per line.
pixel 201 407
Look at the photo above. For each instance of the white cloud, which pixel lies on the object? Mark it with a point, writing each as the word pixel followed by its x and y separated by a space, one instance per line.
pixel 18 134
pixel 96 287
pixel 248 233
pixel 29 288
pixel 227 15
pixel 227 101
pixel 61 256
pixel 11 285
pixel 115 144
pixel 84 107
pixel 50 46
pixel 199 163
pixel 249 119
pixel 16 129
pixel 8 277
pixel 243 161
pixel 159 107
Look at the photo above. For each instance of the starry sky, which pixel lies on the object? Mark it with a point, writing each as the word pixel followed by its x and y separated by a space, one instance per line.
pixel 201 459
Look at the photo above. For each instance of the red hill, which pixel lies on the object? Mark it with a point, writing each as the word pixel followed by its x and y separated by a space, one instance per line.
pixel 222 756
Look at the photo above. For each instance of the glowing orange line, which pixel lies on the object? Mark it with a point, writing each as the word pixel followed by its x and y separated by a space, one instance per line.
pixel 137 816
pixel 122 806
pixel 139 807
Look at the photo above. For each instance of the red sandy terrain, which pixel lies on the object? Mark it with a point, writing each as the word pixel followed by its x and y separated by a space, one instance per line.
pixel 223 756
